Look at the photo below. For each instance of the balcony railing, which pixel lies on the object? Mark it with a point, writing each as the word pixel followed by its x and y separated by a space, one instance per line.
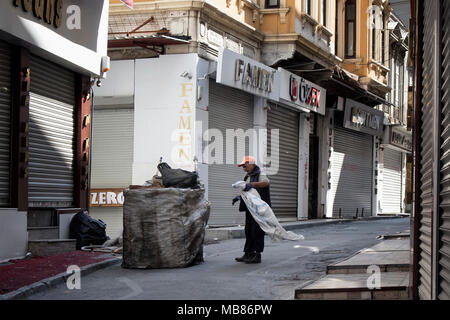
pixel 394 114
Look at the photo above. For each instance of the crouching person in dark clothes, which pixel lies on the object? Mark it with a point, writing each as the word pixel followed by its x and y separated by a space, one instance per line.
pixel 254 235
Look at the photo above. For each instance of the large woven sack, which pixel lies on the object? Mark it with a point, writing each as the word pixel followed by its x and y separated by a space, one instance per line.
pixel 164 228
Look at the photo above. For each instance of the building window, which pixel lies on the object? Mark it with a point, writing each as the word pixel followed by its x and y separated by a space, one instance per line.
pixel 350 29
pixel 272 3
pixel 323 18
pixel 308 8
pixel 374 27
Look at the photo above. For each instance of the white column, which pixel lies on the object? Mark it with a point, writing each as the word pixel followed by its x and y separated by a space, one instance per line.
pixel 404 169
pixel 260 126
pixel 201 117
pixel 303 167
pixel 329 136
pixel 378 198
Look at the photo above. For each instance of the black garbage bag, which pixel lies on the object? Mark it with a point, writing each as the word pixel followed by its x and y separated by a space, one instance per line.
pixel 87 230
pixel 178 178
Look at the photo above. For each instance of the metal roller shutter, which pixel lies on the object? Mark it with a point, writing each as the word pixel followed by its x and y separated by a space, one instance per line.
pixel 392 181
pixel 228 109
pixel 351 178
pixel 112 147
pixel 112 159
pixel 5 123
pixel 284 184
pixel 444 252
pixel 426 161
pixel 51 135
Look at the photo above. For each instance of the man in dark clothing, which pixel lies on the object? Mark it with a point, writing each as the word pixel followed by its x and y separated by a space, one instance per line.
pixel 254 235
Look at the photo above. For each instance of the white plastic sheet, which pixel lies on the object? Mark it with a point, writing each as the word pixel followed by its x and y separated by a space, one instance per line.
pixel 264 216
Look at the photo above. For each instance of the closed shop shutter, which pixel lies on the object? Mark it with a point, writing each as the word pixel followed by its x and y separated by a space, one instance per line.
pixel 351 178
pixel 112 147
pixel 284 184
pixel 228 109
pixel 426 155
pixel 51 135
pixel 392 181
pixel 112 159
pixel 5 123
pixel 444 252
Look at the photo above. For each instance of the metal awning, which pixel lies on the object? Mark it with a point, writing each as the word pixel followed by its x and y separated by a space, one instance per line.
pixel 346 84
pixel 144 41
pixel 140 30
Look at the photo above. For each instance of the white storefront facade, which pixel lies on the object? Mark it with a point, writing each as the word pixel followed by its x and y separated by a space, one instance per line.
pixel 204 114
pixel 354 155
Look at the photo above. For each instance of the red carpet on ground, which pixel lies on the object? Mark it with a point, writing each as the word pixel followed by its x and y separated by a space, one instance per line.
pixel 22 273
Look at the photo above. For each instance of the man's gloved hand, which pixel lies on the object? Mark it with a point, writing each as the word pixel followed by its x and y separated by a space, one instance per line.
pixel 248 186
pixel 236 199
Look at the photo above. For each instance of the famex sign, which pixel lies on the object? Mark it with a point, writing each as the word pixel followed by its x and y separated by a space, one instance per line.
pixel 301 93
pixel 246 74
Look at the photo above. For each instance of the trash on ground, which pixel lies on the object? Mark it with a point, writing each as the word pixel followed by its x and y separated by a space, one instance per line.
pixel 87 230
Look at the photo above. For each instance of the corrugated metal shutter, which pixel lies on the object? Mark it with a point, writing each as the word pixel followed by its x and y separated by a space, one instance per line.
pixel 112 159
pixel 51 135
pixel 444 252
pixel 228 109
pixel 351 177
pixel 112 147
pixel 392 181
pixel 5 123
pixel 426 155
pixel 284 184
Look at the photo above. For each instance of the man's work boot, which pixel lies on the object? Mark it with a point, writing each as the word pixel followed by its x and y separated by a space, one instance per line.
pixel 243 258
pixel 254 257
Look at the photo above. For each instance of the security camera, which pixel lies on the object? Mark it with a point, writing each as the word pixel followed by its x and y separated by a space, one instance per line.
pixel 186 74
pixel 99 83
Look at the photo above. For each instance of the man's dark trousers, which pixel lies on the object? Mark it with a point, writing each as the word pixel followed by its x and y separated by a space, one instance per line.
pixel 254 235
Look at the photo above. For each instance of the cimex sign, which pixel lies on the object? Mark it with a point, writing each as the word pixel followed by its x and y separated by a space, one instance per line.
pixel 301 92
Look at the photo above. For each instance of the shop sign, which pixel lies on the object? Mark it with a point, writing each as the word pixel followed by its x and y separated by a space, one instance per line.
pixel 360 117
pixel 106 198
pixel 49 11
pixel 301 92
pixel 246 74
pixel 73 30
pixel 398 137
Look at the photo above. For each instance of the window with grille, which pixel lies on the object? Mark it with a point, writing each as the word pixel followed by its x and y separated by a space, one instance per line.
pixel 272 3
pixel 350 29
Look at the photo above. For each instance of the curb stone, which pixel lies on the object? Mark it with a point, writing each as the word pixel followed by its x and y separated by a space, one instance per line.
pixel 47 283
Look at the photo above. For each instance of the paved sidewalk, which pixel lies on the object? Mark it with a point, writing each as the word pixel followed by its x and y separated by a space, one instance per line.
pixel 348 278
pixel 22 277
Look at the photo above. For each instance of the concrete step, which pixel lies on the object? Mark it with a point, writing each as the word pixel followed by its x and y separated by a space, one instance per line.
pixel 387 262
pixel 388 255
pixel 48 247
pixel 36 233
pixel 392 286
pixel 399 235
